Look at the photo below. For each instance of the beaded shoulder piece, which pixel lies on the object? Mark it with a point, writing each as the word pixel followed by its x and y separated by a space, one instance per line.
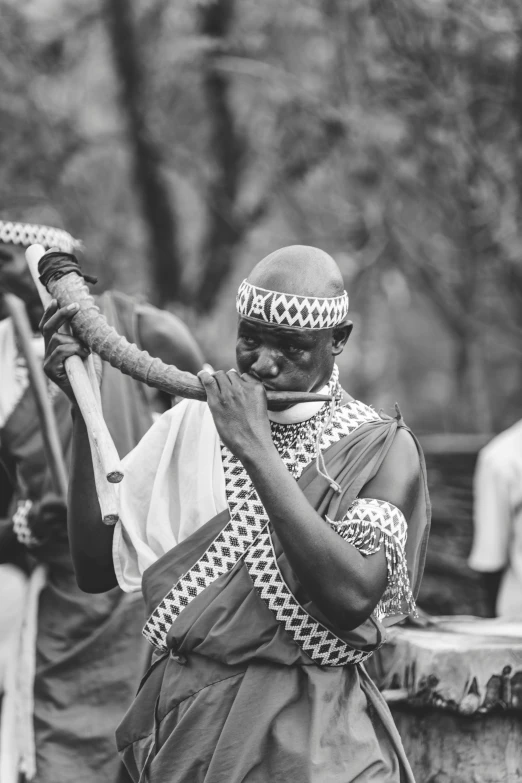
pixel 370 524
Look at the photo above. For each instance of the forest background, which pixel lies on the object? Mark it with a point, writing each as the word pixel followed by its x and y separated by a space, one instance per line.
pixel 183 141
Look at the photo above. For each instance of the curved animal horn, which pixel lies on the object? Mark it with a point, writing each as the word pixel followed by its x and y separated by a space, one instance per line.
pixel 63 279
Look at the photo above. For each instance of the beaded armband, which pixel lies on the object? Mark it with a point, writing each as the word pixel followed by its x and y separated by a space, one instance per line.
pixel 21 525
pixel 370 524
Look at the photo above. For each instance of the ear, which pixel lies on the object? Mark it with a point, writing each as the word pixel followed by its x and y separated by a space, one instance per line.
pixel 340 337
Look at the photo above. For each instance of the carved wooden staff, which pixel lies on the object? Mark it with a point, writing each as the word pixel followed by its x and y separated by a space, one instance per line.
pixel 106 461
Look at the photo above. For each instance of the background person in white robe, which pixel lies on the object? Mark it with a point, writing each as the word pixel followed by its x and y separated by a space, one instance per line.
pixel 497 542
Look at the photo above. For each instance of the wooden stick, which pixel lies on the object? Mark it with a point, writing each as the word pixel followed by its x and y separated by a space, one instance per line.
pixel 108 498
pixel 85 386
pixel 91 372
pixel 83 391
pixel 94 421
pixel 38 381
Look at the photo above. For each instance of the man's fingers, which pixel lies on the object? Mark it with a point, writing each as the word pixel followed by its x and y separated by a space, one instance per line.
pixel 233 377
pixel 206 378
pixel 221 381
pixel 54 364
pixel 58 339
pixel 256 388
pixel 71 347
pixel 216 384
pixel 48 312
pixel 59 318
pixel 209 382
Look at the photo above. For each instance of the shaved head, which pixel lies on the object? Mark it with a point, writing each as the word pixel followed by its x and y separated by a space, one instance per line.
pixel 284 343
pixel 300 270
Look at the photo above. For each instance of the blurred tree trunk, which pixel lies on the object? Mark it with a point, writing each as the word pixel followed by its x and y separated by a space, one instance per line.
pixel 223 231
pixel 153 192
pixel 513 268
pixel 308 133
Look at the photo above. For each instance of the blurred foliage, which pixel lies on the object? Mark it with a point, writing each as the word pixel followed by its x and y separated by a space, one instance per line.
pixel 449 586
pixel 184 141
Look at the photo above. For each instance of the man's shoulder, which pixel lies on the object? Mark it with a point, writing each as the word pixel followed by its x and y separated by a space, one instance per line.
pixel 403 453
pixel 117 299
pixel 397 477
pixel 357 413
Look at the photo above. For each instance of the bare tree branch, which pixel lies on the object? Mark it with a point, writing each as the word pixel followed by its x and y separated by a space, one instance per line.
pixel 154 195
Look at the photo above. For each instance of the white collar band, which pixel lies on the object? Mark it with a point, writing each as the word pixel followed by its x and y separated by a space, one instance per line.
pixel 305 410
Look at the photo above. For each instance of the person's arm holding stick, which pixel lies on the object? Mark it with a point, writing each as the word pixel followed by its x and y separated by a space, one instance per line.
pixel 90 541
pixel 86 395
pixel 83 392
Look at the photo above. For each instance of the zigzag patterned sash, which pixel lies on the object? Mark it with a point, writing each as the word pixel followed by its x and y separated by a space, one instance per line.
pixel 248 517
pixel 220 558
pixel 318 642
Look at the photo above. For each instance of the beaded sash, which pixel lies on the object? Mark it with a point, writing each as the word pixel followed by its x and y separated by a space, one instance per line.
pixel 297 446
pixel 246 534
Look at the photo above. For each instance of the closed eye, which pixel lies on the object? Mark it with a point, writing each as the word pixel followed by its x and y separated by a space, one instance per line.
pixel 292 348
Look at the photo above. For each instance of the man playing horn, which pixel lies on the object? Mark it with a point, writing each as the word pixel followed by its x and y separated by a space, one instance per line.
pixel 272 549
pixel 88 656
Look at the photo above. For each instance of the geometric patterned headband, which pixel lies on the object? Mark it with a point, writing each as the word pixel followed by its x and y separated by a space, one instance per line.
pixel 297 312
pixel 26 234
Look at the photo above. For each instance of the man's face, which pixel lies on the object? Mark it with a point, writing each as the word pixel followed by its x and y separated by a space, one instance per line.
pixel 285 359
pixel 15 277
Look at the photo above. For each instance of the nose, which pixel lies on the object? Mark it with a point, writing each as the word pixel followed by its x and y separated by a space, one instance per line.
pixel 265 365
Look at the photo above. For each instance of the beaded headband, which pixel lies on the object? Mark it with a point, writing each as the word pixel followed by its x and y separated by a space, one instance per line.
pixel 26 234
pixel 298 312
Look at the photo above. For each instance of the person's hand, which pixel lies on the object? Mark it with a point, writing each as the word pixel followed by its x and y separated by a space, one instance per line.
pixel 59 346
pixel 47 520
pixel 238 406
